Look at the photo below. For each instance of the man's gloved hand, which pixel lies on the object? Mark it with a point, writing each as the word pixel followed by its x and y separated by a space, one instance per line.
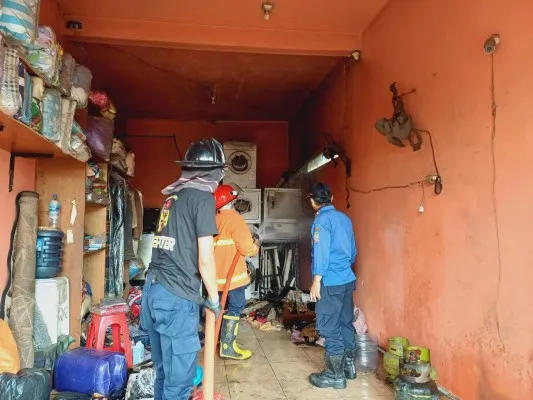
pixel 257 239
pixel 215 307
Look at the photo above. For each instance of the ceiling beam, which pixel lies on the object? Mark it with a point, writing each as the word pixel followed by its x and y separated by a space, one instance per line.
pixel 218 38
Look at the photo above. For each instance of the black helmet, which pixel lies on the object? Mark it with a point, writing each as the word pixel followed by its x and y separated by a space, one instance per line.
pixel 205 153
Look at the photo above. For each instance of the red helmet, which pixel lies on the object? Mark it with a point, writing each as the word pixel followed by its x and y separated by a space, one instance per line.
pixel 225 194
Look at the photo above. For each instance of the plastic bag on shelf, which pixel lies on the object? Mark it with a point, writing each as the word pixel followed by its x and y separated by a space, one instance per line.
pixel 10 101
pixel 66 74
pixel 97 198
pixel 26 95
pixel 51 108
pixel 110 305
pixel 100 136
pixel 78 131
pixel 68 108
pixel 79 149
pixel 2 54
pixel 18 20
pixel 99 98
pixel 81 85
pixel 44 54
pixel 36 103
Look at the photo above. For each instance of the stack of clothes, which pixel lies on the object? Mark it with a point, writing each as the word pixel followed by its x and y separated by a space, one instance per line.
pixel 47 102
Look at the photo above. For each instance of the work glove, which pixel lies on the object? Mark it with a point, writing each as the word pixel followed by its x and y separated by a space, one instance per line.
pixel 257 239
pixel 215 307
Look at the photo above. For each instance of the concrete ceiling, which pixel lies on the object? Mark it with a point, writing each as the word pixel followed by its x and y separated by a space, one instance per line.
pixel 163 58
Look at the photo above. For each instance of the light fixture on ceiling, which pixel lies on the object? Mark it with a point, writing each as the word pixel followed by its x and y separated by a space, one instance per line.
pixel 331 153
pixel 267 9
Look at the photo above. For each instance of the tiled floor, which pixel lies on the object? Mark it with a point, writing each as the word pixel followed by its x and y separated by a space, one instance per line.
pixel 279 370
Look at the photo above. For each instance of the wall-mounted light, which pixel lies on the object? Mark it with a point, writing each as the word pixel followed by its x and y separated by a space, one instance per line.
pixel 267 10
pixel 331 153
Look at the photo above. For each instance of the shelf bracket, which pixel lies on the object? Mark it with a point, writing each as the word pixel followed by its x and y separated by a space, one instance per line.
pixel 21 155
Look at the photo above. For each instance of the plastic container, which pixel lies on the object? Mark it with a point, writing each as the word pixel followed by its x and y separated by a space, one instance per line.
pixel 52 299
pixel 91 371
pixel 48 253
pixel 137 350
pixel 54 210
pixel 366 354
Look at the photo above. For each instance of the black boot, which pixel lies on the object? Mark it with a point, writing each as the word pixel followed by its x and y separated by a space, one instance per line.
pixel 349 364
pixel 332 376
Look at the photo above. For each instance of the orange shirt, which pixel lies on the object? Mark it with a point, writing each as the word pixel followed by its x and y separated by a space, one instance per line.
pixel 233 236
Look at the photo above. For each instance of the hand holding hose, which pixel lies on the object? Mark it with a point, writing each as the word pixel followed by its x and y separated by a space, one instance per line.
pixel 257 239
pixel 215 307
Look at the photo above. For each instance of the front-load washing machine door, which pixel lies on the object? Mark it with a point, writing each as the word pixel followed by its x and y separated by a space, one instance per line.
pixel 239 162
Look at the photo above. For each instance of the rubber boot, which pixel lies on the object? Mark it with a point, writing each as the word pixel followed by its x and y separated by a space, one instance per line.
pixel 349 364
pixel 228 340
pixel 332 376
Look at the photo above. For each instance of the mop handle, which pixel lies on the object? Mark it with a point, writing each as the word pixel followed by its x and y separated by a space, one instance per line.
pixel 227 285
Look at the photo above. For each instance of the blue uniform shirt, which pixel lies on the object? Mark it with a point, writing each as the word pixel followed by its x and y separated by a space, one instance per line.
pixel 334 248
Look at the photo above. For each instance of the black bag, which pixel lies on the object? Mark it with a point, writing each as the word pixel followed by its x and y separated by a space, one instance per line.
pixel 28 384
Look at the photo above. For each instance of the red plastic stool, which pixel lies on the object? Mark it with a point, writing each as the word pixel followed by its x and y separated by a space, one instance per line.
pixel 119 325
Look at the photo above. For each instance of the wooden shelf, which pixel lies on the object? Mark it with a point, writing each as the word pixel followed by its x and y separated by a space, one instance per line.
pixel 92 204
pixel 89 252
pixel 15 137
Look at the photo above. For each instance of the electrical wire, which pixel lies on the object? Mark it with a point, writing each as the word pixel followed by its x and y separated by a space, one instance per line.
pixel 432 147
pixel 493 108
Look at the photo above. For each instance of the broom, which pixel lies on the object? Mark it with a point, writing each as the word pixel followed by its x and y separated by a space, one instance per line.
pixel 212 332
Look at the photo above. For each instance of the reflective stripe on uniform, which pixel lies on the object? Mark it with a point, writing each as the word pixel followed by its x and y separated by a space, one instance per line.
pixel 224 242
pixel 235 278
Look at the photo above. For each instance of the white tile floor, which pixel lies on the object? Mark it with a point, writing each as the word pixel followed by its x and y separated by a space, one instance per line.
pixel 279 370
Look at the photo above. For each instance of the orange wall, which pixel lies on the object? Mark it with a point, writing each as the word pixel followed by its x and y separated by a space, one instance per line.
pixel 436 277
pixel 24 180
pixel 154 157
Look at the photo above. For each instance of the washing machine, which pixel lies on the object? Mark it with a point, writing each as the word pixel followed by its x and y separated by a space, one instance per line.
pixel 241 158
pixel 249 205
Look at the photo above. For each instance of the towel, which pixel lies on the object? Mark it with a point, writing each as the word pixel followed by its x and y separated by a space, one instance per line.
pixel 206 180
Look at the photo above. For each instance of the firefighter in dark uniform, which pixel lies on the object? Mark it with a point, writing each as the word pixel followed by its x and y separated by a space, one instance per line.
pixel 183 257
pixel 333 286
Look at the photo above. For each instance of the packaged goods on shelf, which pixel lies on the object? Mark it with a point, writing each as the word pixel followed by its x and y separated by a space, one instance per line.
pixel 10 101
pixel 68 108
pixel 51 108
pixel 37 103
pixel 26 95
pixel 94 242
pixel 44 55
pixel 100 137
pixel 81 85
pixel 66 74
pixel 18 21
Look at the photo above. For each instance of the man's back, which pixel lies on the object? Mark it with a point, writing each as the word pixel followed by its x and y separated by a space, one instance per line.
pixel 334 246
pixel 185 216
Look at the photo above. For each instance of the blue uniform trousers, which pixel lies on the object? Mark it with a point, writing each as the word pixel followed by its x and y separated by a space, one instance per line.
pixel 334 317
pixel 236 301
pixel 172 325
